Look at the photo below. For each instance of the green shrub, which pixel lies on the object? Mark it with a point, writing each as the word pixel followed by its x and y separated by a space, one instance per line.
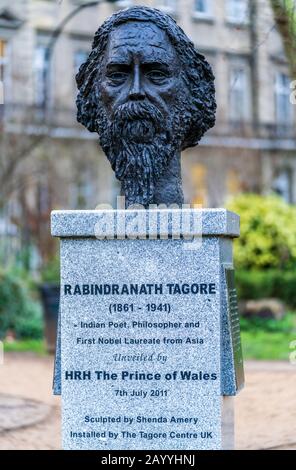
pixel 51 271
pixel 30 325
pixel 37 346
pixel 268 232
pixel 263 284
pixel 287 324
pixel 18 310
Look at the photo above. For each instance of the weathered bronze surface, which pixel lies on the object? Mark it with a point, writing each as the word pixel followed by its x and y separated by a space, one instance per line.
pixel 149 95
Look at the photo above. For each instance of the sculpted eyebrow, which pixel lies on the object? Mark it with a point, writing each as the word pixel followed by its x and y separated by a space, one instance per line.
pixel 118 63
pixel 153 63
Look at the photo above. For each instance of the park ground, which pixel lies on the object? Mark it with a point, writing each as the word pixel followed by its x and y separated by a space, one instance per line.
pixel 265 410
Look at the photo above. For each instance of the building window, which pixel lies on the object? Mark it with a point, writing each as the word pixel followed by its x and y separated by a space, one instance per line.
pixel 237 11
pixel 122 4
pixel 2 59
pixel 80 57
pixel 239 96
pixel 233 182
pixel 203 8
pixel 282 184
pixel 283 107
pixel 82 189
pixel 2 65
pixel 168 6
pixel 41 74
pixel 199 182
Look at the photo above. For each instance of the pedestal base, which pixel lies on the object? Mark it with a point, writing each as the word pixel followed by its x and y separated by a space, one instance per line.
pixel 147 341
pixel 228 423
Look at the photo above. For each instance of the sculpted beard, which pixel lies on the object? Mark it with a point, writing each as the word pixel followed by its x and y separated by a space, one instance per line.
pixel 138 148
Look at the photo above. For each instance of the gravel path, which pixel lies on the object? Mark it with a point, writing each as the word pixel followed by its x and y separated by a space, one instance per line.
pixel 265 409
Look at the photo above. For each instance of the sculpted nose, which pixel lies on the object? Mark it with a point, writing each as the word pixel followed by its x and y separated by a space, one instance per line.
pixel 136 91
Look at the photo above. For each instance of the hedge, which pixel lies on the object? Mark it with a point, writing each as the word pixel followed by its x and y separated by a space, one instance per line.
pixel 265 284
pixel 267 233
pixel 19 312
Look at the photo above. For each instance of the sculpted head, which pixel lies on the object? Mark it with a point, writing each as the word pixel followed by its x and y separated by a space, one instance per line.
pixel 148 94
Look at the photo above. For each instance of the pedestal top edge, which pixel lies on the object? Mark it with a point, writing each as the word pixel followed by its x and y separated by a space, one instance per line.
pixel 173 210
pixel 110 223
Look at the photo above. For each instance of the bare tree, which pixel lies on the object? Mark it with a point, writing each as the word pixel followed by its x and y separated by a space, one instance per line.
pixel 14 150
pixel 21 173
pixel 285 18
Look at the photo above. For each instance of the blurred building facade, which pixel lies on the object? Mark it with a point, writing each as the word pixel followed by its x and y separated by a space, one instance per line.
pixel 50 161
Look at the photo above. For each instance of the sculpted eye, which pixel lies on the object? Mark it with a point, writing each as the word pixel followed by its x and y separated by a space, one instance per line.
pixel 117 77
pixel 157 76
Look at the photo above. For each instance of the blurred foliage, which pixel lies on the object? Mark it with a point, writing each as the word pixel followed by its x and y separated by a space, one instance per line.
pixel 51 271
pixel 268 232
pixel 287 324
pixel 19 310
pixel 37 346
pixel 263 345
pixel 255 285
pixel 268 339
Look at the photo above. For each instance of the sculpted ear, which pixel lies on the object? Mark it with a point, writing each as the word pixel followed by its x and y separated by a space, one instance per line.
pixel 203 103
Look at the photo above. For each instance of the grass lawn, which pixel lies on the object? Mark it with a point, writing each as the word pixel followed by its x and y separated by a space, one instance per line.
pixel 267 338
pixel 267 345
pixel 36 346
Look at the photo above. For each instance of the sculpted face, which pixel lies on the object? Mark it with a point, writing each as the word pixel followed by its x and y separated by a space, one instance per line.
pixel 148 94
pixel 140 65
pixel 140 88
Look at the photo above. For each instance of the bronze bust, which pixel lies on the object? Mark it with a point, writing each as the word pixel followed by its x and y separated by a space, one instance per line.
pixel 149 95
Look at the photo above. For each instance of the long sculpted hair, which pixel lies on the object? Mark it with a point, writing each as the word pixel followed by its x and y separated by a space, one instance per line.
pixel 138 164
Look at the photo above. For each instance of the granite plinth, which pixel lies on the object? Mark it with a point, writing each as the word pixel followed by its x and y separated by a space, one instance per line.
pixel 146 346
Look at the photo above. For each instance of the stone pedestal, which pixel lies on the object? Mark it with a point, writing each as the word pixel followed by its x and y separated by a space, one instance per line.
pixel 149 335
